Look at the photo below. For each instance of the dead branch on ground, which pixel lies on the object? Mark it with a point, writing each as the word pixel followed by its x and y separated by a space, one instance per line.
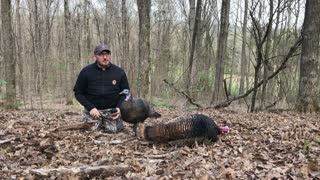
pixel 7 140
pixel 184 93
pixel 84 172
pixel 78 126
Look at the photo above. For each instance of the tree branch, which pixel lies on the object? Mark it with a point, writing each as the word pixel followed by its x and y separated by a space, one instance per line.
pixel 84 172
pixel 281 67
pixel 77 126
pixel 185 94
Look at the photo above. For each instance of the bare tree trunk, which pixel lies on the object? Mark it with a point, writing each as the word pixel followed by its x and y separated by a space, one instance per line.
pixel 79 30
pixel 125 36
pixel 296 63
pixel 38 52
pixel 191 24
pixel 244 61
pixel 192 18
pixel 68 53
pixel 108 25
pixel 260 37
pixel 31 75
pixel 249 61
pixel 193 44
pixel 19 52
pixel 48 27
pixel 97 23
pixel 87 31
pixel 162 45
pixel 218 93
pixel 61 56
pixel 233 49
pixel 272 83
pixel 266 65
pixel 47 50
pixel 144 81
pixel 308 100
pixel 9 58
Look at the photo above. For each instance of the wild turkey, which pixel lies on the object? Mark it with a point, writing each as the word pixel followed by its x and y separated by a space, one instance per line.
pixel 136 110
pixel 183 127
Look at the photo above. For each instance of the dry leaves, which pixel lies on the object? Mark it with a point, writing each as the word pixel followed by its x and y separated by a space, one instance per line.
pixel 260 145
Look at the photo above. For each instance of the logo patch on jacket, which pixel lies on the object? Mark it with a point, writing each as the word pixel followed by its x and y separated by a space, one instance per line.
pixel 114 82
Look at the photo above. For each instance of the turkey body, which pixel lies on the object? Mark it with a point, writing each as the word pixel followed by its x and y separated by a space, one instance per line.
pixel 137 110
pixel 183 127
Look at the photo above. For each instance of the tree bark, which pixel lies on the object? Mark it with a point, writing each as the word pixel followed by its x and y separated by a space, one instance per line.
pixel 191 24
pixel 275 45
pixel 233 49
pixel 193 45
pixel 266 65
pixel 308 100
pixel 260 37
pixel 125 37
pixel 8 56
pixel 218 93
pixel 243 70
pixel 108 23
pixel 68 53
pixel 19 53
pixel 144 7
pixel 87 34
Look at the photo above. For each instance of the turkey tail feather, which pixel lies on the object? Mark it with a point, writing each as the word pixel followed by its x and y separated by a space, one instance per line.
pixel 183 127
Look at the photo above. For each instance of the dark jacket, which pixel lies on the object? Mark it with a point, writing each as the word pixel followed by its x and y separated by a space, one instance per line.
pixel 97 88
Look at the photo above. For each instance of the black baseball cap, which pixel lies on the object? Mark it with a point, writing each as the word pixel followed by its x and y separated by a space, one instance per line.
pixel 100 48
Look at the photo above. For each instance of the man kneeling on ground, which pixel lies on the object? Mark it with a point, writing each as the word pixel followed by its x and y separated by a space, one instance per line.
pixel 98 88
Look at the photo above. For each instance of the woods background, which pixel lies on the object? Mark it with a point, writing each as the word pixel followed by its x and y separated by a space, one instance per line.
pixel 210 52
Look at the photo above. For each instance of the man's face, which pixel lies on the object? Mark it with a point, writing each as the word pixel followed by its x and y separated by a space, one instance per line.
pixel 103 59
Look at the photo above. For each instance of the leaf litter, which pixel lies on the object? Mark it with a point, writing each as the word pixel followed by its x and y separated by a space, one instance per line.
pixel 260 145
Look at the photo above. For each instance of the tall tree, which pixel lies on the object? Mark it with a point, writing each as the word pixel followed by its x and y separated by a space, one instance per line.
pixel 87 32
pixel 193 45
pixel 266 63
pixel 163 20
pixel 38 50
pixel 218 93
pixel 260 34
pixel 19 51
pixel 68 52
pixel 233 49
pixel 125 35
pixel 8 56
pixel 308 100
pixel 192 17
pixel 243 63
pixel 51 7
pixel 108 23
pixel 144 7
pixel 191 24
pixel 275 45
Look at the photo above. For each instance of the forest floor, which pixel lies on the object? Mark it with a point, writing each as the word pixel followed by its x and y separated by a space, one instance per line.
pixel 284 145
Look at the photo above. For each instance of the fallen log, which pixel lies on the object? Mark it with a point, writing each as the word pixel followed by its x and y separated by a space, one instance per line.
pixel 7 140
pixel 113 142
pixel 84 172
pixel 169 155
pixel 84 125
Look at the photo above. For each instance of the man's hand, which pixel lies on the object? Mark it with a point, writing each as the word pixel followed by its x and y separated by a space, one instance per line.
pixel 115 115
pixel 95 113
